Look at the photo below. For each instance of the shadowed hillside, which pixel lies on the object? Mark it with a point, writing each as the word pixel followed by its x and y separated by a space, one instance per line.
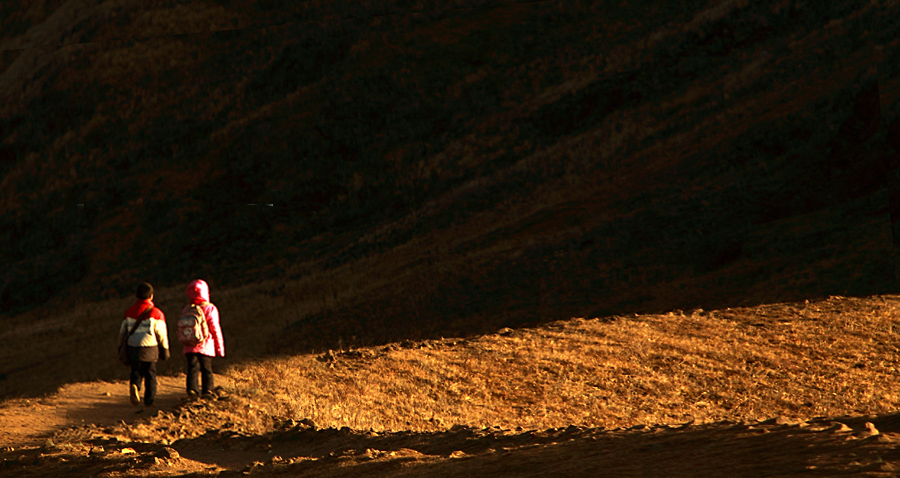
pixel 359 174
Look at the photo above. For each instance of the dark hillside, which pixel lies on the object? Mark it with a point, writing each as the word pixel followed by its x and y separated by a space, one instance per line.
pixel 418 169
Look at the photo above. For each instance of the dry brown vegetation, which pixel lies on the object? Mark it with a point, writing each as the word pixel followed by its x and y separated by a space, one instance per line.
pixel 726 372
pixel 796 361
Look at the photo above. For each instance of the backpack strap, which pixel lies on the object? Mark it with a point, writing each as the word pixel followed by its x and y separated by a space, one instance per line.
pixel 138 322
pixel 202 306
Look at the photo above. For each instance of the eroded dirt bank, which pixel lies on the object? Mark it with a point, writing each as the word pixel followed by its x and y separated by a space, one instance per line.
pixel 857 446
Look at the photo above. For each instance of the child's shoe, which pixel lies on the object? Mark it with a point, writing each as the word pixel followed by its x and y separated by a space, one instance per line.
pixel 135 395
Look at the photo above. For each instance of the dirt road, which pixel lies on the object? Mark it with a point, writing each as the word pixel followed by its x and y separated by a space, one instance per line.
pixel 31 421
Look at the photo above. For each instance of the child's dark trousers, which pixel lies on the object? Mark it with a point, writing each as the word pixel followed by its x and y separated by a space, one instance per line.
pixel 144 372
pixel 199 365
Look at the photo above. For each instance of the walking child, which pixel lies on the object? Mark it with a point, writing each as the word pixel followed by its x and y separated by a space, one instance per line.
pixel 201 335
pixel 143 333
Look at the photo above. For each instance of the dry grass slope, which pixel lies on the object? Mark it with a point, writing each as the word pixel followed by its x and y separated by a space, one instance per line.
pixel 762 378
pixel 794 360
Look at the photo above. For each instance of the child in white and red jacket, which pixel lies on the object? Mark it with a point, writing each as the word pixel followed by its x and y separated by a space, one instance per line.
pixel 199 357
pixel 148 343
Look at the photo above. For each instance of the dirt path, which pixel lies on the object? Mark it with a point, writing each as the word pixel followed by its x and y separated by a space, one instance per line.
pixel 31 421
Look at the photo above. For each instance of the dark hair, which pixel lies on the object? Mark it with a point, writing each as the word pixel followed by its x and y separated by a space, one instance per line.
pixel 144 291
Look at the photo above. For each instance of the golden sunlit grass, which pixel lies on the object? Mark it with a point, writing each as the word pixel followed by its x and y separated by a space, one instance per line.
pixel 796 361
pixel 830 360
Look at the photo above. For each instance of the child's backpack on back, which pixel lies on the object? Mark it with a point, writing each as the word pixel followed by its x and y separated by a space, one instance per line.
pixel 192 328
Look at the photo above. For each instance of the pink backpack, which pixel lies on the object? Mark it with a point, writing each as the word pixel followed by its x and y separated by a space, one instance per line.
pixel 192 328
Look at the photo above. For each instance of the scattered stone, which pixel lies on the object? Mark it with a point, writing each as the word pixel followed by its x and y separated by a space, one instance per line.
pixel 285 425
pixel 127 451
pixel 839 427
pixel 168 453
pixel 457 454
pixel 372 453
pixel 308 422
pixel 870 431
pixel 505 331
pixel 784 421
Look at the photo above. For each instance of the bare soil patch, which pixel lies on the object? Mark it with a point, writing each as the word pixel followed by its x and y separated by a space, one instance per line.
pixel 101 404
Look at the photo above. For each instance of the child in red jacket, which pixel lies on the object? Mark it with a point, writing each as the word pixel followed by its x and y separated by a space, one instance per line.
pixel 147 342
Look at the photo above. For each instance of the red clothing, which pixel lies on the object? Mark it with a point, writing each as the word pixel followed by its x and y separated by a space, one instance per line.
pixel 140 306
pixel 150 337
pixel 198 292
